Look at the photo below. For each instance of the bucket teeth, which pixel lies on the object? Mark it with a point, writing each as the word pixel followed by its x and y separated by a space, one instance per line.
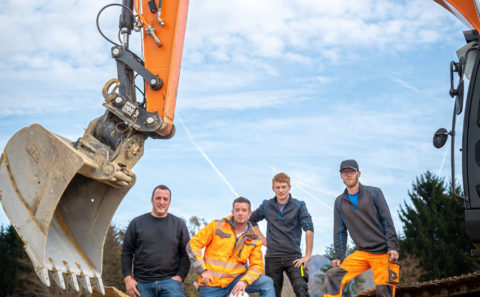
pixel 72 280
pixel 60 205
pixel 42 273
pixel 85 282
pixel 58 277
pixel 98 283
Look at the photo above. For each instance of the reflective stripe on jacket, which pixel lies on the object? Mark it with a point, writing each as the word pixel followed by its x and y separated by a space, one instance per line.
pixel 225 256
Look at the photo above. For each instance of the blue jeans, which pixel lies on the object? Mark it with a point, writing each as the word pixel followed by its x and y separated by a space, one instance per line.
pixel 263 284
pixel 163 288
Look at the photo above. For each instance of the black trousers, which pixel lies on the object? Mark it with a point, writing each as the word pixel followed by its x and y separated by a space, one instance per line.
pixel 274 268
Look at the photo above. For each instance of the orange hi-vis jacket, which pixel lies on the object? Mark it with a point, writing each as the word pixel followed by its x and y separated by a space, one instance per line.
pixel 225 256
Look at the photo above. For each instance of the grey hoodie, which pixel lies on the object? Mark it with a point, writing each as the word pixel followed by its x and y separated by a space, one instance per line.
pixel 370 226
pixel 284 227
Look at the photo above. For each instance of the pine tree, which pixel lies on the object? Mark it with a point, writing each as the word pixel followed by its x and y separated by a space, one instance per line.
pixel 112 250
pixel 10 249
pixel 434 229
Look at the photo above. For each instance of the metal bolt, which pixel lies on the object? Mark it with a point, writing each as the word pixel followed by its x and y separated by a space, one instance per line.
pixel 150 121
pixel 116 52
pixel 118 101
pixel 153 81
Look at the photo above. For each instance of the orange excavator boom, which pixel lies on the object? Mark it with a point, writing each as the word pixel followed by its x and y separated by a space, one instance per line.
pixel 61 195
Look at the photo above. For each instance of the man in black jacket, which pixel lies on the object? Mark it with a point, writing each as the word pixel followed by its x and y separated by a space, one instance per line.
pixel 286 217
pixel 363 211
pixel 155 242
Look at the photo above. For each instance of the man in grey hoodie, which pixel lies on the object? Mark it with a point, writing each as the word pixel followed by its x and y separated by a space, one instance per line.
pixel 363 211
pixel 286 218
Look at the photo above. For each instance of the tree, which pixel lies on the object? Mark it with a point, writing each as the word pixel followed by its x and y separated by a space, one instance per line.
pixel 410 269
pixel 194 224
pixel 10 250
pixel 434 229
pixel 17 277
pixel 112 250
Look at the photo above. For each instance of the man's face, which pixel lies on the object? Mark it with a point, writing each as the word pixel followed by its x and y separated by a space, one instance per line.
pixel 241 212
pixel 282 190
pixel 350 177
pixel 160 203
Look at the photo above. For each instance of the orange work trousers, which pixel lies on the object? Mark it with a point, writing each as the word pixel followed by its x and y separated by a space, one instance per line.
pixel 385 274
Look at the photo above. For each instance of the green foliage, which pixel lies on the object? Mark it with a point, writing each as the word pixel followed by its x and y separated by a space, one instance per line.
pixel 10 251
pixel 434 229
pixel 17 277
pixel 112 251
pixel 195 224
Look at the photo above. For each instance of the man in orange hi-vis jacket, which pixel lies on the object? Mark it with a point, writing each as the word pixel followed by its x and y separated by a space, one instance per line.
pixel 363 211
pixel 232 261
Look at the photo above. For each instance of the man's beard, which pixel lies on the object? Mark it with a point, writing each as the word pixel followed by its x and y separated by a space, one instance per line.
pixel 352 183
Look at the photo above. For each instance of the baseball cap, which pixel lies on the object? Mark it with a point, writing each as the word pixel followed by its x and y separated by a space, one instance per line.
pixel 350 163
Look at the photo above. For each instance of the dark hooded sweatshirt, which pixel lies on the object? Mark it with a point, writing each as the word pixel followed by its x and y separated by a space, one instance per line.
pixel 370 226
pixel 284 226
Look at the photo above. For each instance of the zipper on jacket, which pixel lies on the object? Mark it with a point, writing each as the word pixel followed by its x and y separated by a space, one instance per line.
pixel 285 206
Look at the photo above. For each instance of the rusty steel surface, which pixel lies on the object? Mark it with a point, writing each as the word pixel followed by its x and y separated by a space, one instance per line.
pixel 461 286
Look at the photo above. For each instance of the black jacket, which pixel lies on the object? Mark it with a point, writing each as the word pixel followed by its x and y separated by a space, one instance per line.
pixel 371 226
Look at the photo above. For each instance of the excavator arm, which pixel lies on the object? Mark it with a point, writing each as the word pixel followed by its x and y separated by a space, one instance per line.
pixel 61 195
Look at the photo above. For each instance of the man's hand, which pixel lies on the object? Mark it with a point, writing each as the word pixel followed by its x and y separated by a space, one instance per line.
pixel 336 263
pixel 303 260
pixel 131 286
pixel 177 278
pixel 206 277
pixel 239 288
pixel 263 240
pixel 260 235
pixel 392 256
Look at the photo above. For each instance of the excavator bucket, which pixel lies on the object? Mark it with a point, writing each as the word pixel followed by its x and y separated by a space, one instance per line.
pixel 57 206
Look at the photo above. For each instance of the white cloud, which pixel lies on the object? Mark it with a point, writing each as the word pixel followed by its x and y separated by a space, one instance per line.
pixel 293 84
pixel 244 100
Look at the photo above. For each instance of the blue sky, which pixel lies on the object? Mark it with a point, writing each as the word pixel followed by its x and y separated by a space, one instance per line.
pixel 265 86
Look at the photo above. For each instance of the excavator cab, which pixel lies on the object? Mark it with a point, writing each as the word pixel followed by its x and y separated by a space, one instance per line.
pixel 466 67
pixel 60 195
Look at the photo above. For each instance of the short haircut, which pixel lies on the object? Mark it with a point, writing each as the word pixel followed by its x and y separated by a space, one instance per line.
pixel 281 178
pixel 162 187
pixel 241 200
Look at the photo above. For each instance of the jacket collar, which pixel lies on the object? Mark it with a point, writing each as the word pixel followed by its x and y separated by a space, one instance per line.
pixel 361 189
pixel 249 229
pixel 288 201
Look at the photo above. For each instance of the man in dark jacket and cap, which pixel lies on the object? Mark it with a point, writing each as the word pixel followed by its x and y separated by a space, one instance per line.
pixel 363 211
